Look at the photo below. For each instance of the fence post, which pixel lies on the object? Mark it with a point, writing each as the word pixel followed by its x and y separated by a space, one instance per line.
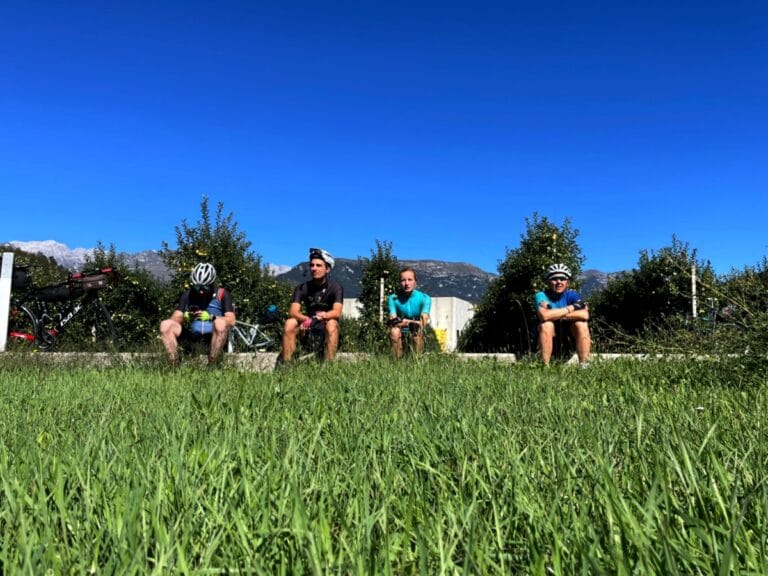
pixel 694 304
pixel 6 276
pixel 381 299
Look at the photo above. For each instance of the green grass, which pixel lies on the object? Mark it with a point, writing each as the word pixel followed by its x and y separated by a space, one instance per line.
pixel 440 467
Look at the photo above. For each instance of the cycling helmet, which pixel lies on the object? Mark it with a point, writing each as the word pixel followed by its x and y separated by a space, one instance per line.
pixel 203 275
pixel 323 255
pixel 559 270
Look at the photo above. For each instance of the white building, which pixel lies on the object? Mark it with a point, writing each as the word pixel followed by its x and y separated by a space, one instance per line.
pixel 448 318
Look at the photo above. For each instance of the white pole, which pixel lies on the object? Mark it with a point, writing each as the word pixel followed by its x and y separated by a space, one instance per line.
pixel 6 276
pixel 381 299
pixel 693 289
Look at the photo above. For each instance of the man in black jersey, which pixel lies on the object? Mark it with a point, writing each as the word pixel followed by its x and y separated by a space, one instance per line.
pixel 316 306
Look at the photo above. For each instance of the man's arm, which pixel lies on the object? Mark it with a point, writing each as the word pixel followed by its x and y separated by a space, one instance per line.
pixel 568 313
pixel 294 311
pixel 178 317
pixel 230 318
pixel 337 293
pixel 228 308
pixel 426 308
pixel 333 314
pixel 178 314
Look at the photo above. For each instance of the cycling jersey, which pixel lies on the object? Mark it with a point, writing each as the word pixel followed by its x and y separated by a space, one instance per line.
pixel 409 306
pixel 554 301
pixel 314 298
pixel 216 304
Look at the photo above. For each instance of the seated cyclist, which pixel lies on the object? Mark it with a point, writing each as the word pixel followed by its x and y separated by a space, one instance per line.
pixel 316 306
pixel 408 313
pixel 203 314
pixel 559 307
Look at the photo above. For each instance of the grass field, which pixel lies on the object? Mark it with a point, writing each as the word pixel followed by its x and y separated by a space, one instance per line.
pixel 440 467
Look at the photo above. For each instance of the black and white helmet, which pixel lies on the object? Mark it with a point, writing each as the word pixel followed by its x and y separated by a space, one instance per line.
pixel 323 255
pixel 203 275
pixel 558 270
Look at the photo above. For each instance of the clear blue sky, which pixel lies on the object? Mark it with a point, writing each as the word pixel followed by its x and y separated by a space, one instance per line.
pixel 438 126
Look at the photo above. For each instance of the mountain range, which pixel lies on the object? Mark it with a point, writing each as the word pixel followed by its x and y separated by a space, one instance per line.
pixel 74 258
pixel 436 277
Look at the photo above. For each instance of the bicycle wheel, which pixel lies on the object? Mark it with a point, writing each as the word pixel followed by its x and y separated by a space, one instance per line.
pixel 22 328
pixel 101 329
pixel 245 338
pixel 235 343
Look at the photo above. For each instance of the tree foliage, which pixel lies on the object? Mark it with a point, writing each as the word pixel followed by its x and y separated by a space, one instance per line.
pixel 44 269
pixel 743 303
pixel 369 331
pixel 136 300
pixel 745 292
pixel 657 291
pixel 505 319
pixel 736 318
pixel 219 241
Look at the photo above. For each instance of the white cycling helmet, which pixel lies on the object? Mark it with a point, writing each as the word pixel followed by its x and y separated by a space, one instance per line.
pixel 559 270
pixel 203 274
pixel 323 255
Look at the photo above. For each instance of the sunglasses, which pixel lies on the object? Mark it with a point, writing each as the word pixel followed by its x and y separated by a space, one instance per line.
pixel 558 279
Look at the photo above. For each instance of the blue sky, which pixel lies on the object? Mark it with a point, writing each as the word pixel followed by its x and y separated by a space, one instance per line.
pixel 438 126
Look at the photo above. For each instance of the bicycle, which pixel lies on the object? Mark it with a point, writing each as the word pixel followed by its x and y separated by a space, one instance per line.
pixel 251 337
pixel 39 315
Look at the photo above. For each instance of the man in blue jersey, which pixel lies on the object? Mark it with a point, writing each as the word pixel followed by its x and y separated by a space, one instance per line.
pixel 408 313
pixel 559 308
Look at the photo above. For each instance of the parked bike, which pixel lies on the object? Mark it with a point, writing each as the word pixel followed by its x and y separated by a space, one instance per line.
pixel 39 315
pixel 247 337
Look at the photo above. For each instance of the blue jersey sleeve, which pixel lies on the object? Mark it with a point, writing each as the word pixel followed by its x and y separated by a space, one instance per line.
pixel 426 306
pixel 572 296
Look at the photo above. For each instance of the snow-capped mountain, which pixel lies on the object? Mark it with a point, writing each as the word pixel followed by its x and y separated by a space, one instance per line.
pixel 74 258
pixel 70 258
pixel 277 269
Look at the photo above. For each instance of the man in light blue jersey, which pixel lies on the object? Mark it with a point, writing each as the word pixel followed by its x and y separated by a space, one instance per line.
pixel 558 309
pixel 408 313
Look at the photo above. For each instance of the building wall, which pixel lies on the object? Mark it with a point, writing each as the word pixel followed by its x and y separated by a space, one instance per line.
pixel 449 314
pixel 452 315
pixel 351 308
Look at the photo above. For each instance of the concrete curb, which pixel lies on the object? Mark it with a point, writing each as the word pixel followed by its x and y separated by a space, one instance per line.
pixel 265 361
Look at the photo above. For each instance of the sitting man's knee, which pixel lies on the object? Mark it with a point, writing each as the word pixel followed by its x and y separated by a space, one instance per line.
pixel 332 326
pixel 580 327
pixel 220 325
pixel 170 327
pixel 547 328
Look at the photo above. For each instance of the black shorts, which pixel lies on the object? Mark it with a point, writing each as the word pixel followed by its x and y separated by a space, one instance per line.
pixel 189 337
pixel 412 329
pixel 564 344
